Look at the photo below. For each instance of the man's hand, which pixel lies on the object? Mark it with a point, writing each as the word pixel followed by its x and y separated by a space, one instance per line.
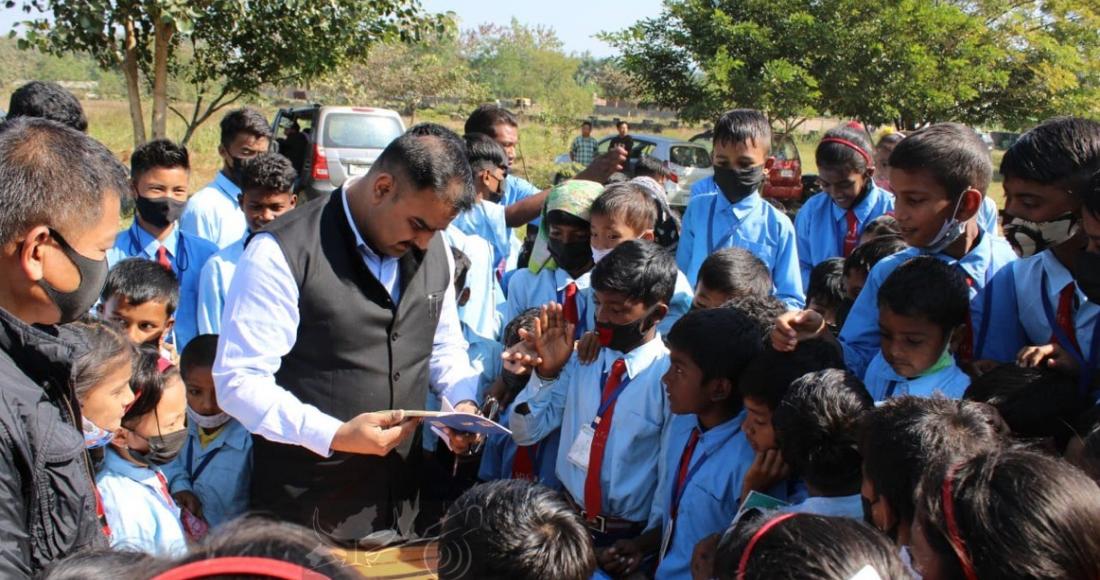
pixel 552 339
pixel 792 328
pixel 374 433
pixel 603 166
pixel 588 348
pixel 767 469
pixel 189 501
pixel 702 557
pixel 1048 356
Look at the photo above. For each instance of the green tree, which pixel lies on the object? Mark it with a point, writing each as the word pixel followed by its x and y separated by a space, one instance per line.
pixel 613 82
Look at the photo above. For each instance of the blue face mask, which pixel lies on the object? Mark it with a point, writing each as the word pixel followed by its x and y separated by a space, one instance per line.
pixel 94 435
pixel 952 230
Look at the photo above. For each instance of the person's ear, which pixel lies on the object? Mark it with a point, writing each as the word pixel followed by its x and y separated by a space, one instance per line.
pixel 382 188
pixel 647 235
pixel 719 390
pixel 293 200
pixel 168 326
pixel 870 172
pixel 30 251
pixel 464 296
pixel 769 163
pixel 659 313
pixel 955 337
pixel 970 204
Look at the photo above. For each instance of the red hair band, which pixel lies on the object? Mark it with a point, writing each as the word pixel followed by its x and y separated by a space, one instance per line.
pixel 953 535
pixel 163 365
pixel 866 156
pixel 744 564
pixel 266 567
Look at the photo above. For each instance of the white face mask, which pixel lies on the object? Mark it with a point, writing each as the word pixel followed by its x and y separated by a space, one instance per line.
pixel 598 255
pixel 208 421
pixel 952 230
pixel 1029 238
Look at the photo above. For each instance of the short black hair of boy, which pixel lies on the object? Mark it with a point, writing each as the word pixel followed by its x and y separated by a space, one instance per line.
pixel 827 284
pixel 160 153
pixel 740 125
pixel 484 153
pixel 720 341
pixel 268 173
pixel 431 156
pixel 485 118
pixel 640 270
pixel 832 154
pixel 770 375
pixel 865 256
pixel 514 530
pixel 649 166
pixel 1035 402
pixel 524 320
pixel 462 268
pixel 952 154
pixel 904 437
pixel 736 272
pixel 586 123
pixel 243 120
pixel 763 309
pixel 927 287
pixel 883 225
pixel 1062 151
pixel 628 202
pixel 198 354
pixel 139 281
pixel 46 100
pixel 817 427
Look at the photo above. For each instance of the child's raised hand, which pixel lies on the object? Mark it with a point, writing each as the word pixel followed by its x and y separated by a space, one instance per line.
pixel 794 327
pixel 521 357
pixel 588 348
pixel 552 339
pixel 1050 356
pixel 767 469
pixel 188 501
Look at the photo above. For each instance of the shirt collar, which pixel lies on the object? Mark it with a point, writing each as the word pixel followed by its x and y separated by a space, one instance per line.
pixel 360 243
pixel 562 279
pixel 148 244
pixel 861 209
pixel 638 359
pixel 740 209
pixel 976 263
pixel 720 434
pixel 233 435
pixel 146 476
pixel 226 186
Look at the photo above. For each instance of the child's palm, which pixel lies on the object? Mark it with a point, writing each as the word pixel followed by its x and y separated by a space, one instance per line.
pixel 552 338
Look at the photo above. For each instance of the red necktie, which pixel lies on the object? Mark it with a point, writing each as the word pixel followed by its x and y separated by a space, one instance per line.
pixel 100 513
pixel 1064 317
pixel 162 258
pixel 681 475
pixel 164 489
pixel 569 307
pixel 523 464
pixel 966 345
pixel 593 493
pixel 851 239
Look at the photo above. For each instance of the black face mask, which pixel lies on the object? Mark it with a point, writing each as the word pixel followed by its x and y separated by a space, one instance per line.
pixel 623 337
pixel 162 448
pixel 736 184
pixel 159 212
pixel 571 256
pixel 93 275
pixel 1087 275
pixel 236 170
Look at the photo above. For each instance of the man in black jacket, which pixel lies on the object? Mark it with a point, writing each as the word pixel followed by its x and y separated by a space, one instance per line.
pixel 59 209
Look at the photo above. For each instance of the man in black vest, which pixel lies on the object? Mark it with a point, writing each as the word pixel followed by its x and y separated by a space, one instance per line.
pixel 339 312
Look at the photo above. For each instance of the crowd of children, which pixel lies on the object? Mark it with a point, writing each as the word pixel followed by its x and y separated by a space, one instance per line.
pixel 889 386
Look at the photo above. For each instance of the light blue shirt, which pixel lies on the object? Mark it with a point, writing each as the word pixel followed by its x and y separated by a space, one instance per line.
pixel 141 518
pixel 712 223
pixel 486 220
pixel 214 285
pixel 223 484
pixel 822 225
pixel 188 255
pixel 482 312
pixel 704 185
pixel 846 506
pixel 860 335
pixel 214 214
pixel 682 297
pixel 640 416
pixel 712 494
pixel 527 290
pixel 950 382
pixel 987 216
pixel 499 456
pixel 517 188
pixel 1018 317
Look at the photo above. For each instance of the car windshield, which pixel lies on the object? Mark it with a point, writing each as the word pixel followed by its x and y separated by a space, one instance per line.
pixel 358 131
pixel 689 156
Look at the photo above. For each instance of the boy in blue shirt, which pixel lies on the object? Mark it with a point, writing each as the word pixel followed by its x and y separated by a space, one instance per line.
pixel 830 225
pixel 730 274
pixel 486 218
pixel 606 461
pixel 267 192
pixel 140 298
pixel 704 453
pixel 159 171
pixel 939 175
pixel 734 214
pixel 211 477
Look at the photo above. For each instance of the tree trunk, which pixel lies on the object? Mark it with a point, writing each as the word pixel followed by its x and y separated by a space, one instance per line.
pixel 133 86
pixel 162 37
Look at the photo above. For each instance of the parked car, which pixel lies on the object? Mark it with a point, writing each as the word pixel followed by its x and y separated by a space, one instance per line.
pixel 785 178
pixel 342 142
pixel 687 162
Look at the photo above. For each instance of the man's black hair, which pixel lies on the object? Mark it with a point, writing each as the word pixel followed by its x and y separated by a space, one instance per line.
pixel 638 269
pixel 736 272
pixel 485 118
pixel 198 354
pixel 160 153
pixel 951 154
pixel 649 166
pixel 742 125
pixel 926 287
pixel 1036 403
pixel 763 309
pixel 139 281
pixel 769 376
pixel 826 286
pixel 53 175
pixel 620 123
pixel 586 122
pixel 839 155
pixel 1092 196
pixel 904 437
pixel 432 157
pixel 462 269
pixel 243 120
pixel 865 256
pixel 268 173
pixel 484 152
pixel 1063 151
pixel 46 100
pixel 817 427
pixel 514 530
pixel 720 341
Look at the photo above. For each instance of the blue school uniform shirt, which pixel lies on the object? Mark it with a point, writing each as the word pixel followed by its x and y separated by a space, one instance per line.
pixel 987 216
pixel 482 312
pixel 883 383
pixel 499 455
pixel 641 413
pixel 682 297
pixel 712 223
pixel 219 474
pixel 527 290
pixel 142 518
pixel 214 281
pixel 1018 316
pixel 822 225
pixel 860 336
pixel 704 185
pixel 711 493
pixel 188 255
pixel 517 188
pixel 486 220
pixel 214 214
pixel 846 506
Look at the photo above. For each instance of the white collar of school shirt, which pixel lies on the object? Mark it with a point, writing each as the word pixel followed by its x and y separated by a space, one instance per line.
pixel 638 359
pixel 149 244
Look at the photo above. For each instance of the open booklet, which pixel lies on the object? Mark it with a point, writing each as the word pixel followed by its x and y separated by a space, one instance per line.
pixel 458 421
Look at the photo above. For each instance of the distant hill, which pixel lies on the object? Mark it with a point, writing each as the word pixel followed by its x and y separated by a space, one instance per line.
pixel 21 65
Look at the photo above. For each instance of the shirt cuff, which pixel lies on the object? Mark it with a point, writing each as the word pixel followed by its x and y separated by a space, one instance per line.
pixel 318 431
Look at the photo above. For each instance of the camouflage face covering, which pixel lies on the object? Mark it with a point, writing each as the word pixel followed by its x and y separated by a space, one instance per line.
pixel 573 197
